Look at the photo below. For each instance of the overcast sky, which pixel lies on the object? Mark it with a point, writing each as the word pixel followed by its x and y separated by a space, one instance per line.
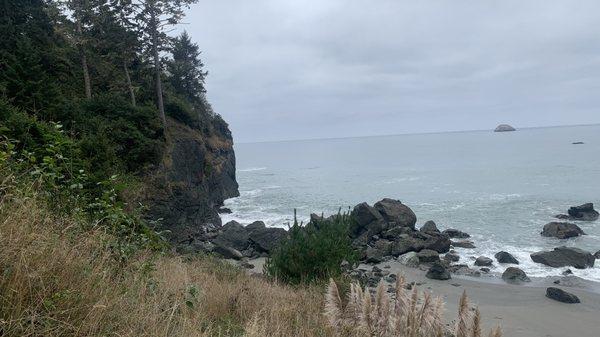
pixel 283 69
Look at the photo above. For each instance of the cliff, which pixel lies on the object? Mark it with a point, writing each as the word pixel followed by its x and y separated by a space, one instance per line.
pixel 196 175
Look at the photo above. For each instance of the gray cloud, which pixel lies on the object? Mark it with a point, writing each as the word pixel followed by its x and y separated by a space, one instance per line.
pixel 332 68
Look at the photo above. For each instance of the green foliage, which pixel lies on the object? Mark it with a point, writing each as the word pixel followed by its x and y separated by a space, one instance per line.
pixel 41 158
pixel 185 69
pixel 180 110
pixel 313 252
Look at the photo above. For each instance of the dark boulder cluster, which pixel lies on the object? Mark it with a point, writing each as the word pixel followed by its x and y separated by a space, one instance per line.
pixel 387 229
pixel 568 256
pixel 585 212
pixel 236 241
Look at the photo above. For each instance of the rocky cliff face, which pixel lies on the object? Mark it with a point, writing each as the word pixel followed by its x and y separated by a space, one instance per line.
pixel 196 175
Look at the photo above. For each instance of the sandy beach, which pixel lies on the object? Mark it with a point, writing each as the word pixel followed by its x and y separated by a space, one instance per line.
pixel 521 310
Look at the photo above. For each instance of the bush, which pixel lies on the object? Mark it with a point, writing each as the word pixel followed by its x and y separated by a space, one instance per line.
pixel 313 252
pixel 181 111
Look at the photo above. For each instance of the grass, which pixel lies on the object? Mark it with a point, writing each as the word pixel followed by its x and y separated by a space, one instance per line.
pixel 58 277
pixel 59 280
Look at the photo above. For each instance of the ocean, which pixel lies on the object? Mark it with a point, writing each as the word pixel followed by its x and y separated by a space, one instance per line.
pixel 499 187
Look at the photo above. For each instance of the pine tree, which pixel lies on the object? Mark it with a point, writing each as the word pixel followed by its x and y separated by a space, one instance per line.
pixel 185 69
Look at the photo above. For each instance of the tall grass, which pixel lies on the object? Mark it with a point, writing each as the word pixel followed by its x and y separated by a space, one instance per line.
pixel 406 314
pixel 57 279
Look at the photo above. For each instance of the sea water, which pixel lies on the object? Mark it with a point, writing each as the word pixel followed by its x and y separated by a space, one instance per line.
pixel 499 187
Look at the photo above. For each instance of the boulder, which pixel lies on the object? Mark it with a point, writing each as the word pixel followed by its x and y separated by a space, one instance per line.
pixel 409 259
pixel 394 211
pixel 505 257
pixel 451 257
pixel 428 256
pixel 224 210
pixel 406 244
pixel 266 239
pixel 366 219
pixel 256 225
pixel 597 255
pixel 585 212
pixel 395 232
pixel 463 244
pixel 561 230
pixel 228 252
pixel 429 226
pixel 456 234
pixel 483 261
pixel 565 256
pixel 515 275
pixel 438 242
pixel 375 254
pixel 233 235
pixel 560 295
pixel 438 272
pixel 504 128
pixel 463 269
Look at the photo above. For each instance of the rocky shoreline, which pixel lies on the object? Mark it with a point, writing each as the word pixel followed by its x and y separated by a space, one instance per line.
pixel 386 231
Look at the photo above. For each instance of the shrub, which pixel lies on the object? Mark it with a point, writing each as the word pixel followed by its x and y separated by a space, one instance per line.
pixel 180 110
pixel 403 315
pixel 313 252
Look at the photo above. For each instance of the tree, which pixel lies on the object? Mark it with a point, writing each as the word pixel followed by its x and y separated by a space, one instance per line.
pixel 81 15
pixel 153 16
pixel 27 44
pixel 185 69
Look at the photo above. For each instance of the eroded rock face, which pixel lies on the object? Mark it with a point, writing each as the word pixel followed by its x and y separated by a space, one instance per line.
pixel 565 256
pixel 504 128
pixel 561 230
pixel 197 175
pixel 515 275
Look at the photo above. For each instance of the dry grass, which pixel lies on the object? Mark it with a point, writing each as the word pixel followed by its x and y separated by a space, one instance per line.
pixel 406 314
pixel 57 280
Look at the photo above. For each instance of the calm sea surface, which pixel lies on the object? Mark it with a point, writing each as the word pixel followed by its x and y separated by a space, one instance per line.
pixel 499 187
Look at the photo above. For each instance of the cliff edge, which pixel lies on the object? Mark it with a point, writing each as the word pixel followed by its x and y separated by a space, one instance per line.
pixel 196 175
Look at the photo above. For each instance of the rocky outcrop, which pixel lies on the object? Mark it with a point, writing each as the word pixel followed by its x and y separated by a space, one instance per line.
pixel 560 295
pixel 463 244
pixel 504 128
pixel 565 256
pixel 597 255
pixel 505 257
pixel 196 175
pixel 585 212
pixel 561 230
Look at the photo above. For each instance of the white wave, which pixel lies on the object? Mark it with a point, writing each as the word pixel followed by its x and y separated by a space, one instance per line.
pixel 522 254
pixel 252 169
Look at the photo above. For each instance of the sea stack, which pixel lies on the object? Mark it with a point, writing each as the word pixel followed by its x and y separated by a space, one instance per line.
pixel 504 128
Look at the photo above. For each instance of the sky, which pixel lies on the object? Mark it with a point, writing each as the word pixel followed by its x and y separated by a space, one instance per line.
pixel 290 69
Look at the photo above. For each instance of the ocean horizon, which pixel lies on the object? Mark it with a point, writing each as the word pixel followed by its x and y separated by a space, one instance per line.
pixel 499 187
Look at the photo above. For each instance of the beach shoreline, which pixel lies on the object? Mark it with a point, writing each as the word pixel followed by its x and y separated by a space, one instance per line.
pixel 521 310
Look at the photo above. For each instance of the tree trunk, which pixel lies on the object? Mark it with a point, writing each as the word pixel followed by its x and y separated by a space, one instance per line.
pixel 84 64
pixel 157 70
pixel 129 85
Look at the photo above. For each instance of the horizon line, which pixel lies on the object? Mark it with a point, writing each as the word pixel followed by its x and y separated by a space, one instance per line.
pixel 410 133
